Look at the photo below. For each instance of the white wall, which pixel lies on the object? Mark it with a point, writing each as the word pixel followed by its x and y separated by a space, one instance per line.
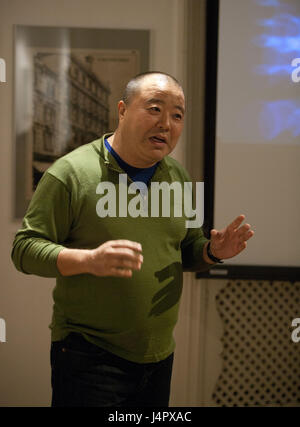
pixel 26 301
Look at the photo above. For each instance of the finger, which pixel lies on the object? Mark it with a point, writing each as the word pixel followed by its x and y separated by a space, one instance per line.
pixel 126 258
pixel 126 264
pixel 243 230
pixel 120 254
pixel 248 235
pixel 135 246
pixel 236 223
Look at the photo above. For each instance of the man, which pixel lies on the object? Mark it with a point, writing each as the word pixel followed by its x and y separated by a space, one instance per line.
pixel 119 277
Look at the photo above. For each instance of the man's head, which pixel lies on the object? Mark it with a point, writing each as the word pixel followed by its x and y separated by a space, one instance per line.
pixel 151 116
pixel 134 85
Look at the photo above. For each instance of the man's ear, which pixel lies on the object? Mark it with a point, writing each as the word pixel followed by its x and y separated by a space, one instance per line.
pixel 121 109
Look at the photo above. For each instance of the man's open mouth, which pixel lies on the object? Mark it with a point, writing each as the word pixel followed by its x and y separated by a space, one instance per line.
pixel 157 139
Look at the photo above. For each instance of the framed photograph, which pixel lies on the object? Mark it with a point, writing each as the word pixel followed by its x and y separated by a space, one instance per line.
pixel 68 82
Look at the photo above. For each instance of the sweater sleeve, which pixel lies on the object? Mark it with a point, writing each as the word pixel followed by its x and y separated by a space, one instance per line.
pixel 45 227
pixel 192 251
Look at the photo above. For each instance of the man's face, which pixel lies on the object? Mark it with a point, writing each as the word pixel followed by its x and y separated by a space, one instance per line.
pixel 151 124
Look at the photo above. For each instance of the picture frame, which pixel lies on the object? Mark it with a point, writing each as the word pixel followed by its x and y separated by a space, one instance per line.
pixel 68 82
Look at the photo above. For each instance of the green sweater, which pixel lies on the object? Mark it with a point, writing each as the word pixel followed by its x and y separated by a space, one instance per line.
pixel 131 317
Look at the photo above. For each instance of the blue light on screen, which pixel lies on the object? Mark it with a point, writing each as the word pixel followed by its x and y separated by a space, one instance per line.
pixel 279 38
pixel 268 2
pixel 280 116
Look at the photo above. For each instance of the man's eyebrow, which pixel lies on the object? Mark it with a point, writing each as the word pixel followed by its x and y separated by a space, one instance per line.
pixel 160 101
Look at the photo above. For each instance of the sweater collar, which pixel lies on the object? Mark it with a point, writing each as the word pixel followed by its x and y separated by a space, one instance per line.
pixel 111 162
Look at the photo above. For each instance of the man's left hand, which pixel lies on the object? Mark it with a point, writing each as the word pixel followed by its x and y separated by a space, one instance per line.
pixel 232 240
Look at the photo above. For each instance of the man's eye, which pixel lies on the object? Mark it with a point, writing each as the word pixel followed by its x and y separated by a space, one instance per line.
pixel 178 116
pixel 156 109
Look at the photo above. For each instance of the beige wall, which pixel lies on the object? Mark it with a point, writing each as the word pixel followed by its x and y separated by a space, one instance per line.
pixel 25 301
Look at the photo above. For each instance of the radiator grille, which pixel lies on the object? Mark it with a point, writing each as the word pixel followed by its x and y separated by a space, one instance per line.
pixel 261 363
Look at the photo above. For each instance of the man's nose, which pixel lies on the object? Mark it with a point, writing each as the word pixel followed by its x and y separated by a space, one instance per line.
pixel 164 121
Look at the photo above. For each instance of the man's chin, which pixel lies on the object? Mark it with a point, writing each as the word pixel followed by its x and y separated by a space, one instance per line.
pixel 160 151
pixel 159 155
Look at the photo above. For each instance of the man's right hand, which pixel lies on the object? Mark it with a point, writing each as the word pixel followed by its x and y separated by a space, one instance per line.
pixel 116 258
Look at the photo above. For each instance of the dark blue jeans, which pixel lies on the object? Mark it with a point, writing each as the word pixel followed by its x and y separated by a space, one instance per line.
pixel 85 375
